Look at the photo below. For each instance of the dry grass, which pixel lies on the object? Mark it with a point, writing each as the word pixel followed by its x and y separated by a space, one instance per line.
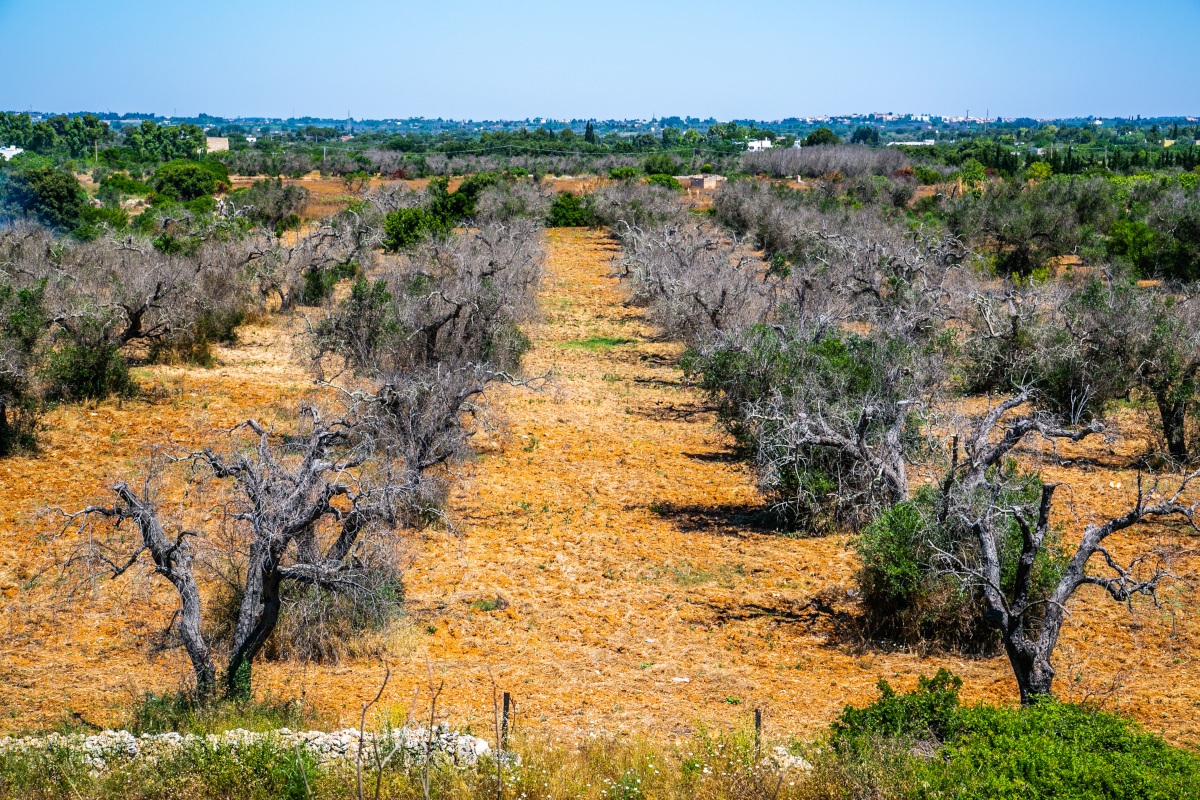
pixel 608 564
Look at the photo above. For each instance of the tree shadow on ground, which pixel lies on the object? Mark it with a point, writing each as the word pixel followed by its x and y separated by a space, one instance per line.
pixel 732 519
pixel 663 410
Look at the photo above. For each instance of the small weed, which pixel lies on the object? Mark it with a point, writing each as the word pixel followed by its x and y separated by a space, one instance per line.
pixel 597 343
pixel 488 604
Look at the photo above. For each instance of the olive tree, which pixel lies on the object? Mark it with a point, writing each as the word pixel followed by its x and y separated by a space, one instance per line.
pixel 1027 617
pixel 310 506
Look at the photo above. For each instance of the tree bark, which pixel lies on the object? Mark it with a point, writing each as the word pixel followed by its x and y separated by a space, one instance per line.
pixel 173 560
pixel 5 431
pixel 1174 417
pixel 256 622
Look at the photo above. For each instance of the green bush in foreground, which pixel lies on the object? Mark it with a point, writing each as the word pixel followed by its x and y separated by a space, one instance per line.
pixel 1049 749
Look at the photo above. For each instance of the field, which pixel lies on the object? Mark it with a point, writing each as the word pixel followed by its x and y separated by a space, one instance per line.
pixel 607 561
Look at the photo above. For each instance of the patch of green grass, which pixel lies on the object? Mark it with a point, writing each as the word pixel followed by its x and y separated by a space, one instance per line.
pixel 485 605
pixel 687 576
pixel 596 343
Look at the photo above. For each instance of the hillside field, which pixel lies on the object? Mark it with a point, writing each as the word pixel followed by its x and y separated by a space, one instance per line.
pixel 607 559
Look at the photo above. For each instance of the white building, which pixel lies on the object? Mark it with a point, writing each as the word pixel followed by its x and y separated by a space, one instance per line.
pixel 754 145
pixel 10 152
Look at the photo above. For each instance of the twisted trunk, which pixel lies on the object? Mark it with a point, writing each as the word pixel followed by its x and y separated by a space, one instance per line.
pixel 173 560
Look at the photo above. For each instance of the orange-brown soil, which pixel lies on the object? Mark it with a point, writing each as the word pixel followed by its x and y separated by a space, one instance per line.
pixel 605 522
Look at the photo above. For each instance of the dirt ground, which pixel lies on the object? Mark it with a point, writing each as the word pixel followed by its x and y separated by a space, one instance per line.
pixel 604 526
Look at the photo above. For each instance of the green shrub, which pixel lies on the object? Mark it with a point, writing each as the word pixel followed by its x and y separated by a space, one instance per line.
pixel 660 164
pixel 408 226
pixel 905 592
pixel 666 181
pixel 79 371
pixel 189 180
pixel 1134 241
pixel 1058 750
pixel 318 284
pixel 118 183
pixel 623 173
pixel 569 211
pixel 95 220
pixel 1049 749
pixel 929 712
pixel 928 176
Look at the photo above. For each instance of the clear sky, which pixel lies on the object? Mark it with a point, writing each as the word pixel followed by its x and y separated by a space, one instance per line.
pixel 764 59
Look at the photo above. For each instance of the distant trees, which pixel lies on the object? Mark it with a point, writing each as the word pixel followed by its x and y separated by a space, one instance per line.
pixel 151 142
pixel 75 136
pixel 783 162
pixel 865 134
pixel 189 180
pixel 821 136
pixel 49 195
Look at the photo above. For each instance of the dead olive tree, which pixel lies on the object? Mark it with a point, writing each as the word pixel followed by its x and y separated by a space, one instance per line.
pixel 457 301
pixel 693 280
pixel 104 300
pixel 1028 609
pixel 1083 346
pixel 305 272
pixel 420 341
pixel 310 506
pixel 626 205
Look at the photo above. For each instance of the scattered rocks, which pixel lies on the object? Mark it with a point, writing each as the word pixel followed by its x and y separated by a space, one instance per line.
pixel 787 761
pixel 99 749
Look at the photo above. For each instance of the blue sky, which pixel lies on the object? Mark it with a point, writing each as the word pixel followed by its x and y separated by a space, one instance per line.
pixel 526 58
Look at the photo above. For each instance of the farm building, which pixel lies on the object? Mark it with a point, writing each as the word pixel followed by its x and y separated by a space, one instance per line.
pixel 754 145
pixel 705 181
